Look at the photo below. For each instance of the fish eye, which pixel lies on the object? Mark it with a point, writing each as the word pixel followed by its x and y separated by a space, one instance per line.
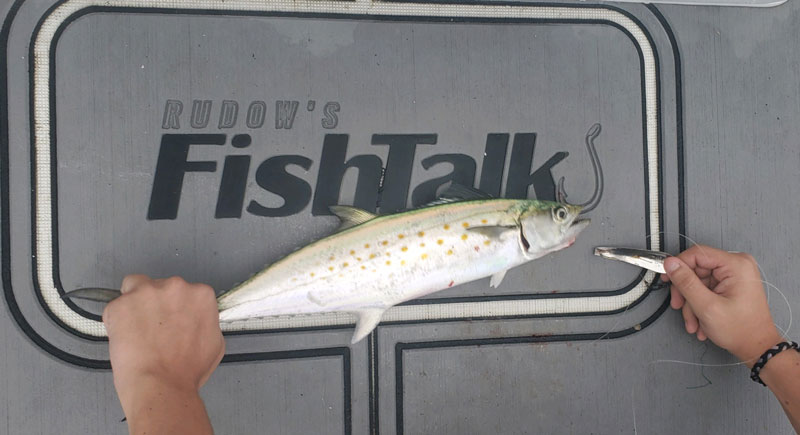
pixel 560 214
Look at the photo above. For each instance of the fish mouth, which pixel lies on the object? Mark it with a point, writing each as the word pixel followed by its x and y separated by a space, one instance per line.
pixel 575 228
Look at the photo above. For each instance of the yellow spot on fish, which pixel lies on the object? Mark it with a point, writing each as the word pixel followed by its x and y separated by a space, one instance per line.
pixel 388 262
pixel 403 262
pixel 371 255
pixel 363 267
pixel 384 243
pixel 465 225
pixel 294 279
pixel 486 242
pixel 358 258
pixel 440 241
pixel 424 256
pixel 421 233
pixel 400 236
pixel 463 237
pixel 313 274
pixel 447 227
pixel 449 252
pixel 421 245
pixel 404 248
pixel 332 258
pixel 366 245
pixel 483 221
pixel 345 264
pixel 352 252
pixel 388 254
pixel 330 268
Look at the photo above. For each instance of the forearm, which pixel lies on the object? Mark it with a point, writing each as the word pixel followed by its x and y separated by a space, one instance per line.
pixel 782 376
pixel 158 408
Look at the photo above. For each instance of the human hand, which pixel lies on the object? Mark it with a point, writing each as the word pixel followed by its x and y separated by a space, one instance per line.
pixel 722 298
pixel 163 333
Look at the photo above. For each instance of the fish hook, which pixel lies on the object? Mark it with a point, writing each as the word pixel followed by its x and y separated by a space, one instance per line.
pixel 589 205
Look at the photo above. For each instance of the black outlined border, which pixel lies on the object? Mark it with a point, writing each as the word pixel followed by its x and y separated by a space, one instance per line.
pixel 343 352
pixel 438 19
pixel 427 301
pixel 101 364
pixel 401 347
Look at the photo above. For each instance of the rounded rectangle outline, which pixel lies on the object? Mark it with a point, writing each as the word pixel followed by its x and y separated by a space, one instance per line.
pixel 72 318
pixel 401 347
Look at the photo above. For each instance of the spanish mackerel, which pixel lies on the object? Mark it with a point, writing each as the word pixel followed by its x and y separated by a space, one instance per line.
pixel 375 262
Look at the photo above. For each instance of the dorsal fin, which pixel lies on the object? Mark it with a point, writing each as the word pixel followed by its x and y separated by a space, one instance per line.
pixel 351 216
pixel 464 193
pixel 458 192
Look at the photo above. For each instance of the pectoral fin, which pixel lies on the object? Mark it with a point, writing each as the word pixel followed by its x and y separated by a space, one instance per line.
pixel 497 278
pixel 494 232
pixel 311 296
pixel 368 319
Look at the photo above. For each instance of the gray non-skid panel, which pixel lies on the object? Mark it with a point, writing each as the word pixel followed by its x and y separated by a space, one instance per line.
pixel 400 78
pixel 115 72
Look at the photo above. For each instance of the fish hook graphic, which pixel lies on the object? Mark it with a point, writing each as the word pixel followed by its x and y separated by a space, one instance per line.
pixel 589 205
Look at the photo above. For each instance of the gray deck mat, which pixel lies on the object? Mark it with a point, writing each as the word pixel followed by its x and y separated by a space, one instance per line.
pixel 501 98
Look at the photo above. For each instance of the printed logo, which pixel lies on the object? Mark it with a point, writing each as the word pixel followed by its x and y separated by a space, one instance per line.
pixel 381 186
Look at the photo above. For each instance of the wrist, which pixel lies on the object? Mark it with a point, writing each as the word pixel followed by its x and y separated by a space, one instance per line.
pixel 138 394
pixel 756 347
pixel 159 407
pixel 786 361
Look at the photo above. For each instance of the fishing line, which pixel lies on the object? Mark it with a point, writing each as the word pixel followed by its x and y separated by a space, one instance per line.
pixel 619 318
pixel 633 405
pixel 761 272
pixel 783 332
pixel 788 306
pixel 613 327
pixel 702 371
pixel 769 286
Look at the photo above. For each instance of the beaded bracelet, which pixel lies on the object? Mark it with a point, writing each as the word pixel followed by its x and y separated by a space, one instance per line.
pixel 778 348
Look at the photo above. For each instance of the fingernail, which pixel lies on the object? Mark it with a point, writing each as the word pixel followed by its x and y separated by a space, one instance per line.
pixel 671 264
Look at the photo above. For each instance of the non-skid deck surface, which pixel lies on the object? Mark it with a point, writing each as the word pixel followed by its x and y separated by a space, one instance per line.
pixel 207 139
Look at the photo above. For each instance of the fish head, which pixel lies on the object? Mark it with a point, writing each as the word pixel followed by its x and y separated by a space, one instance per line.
pixel 548 226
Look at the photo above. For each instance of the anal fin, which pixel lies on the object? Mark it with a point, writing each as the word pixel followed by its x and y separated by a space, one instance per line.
pixel 497 278
pixel 368 319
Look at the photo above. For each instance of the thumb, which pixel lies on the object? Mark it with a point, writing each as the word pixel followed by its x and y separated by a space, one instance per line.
pixel 131 282
pixel 688 284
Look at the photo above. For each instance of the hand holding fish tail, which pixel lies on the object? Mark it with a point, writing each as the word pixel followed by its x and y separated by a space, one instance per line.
pixel 723 299
pixel 164 343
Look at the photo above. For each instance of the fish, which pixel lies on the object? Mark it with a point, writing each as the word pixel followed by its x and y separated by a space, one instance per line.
pixel 646 259
pixel 375 261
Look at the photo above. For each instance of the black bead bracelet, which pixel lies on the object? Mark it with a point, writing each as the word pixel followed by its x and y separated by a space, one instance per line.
pixel 778 348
